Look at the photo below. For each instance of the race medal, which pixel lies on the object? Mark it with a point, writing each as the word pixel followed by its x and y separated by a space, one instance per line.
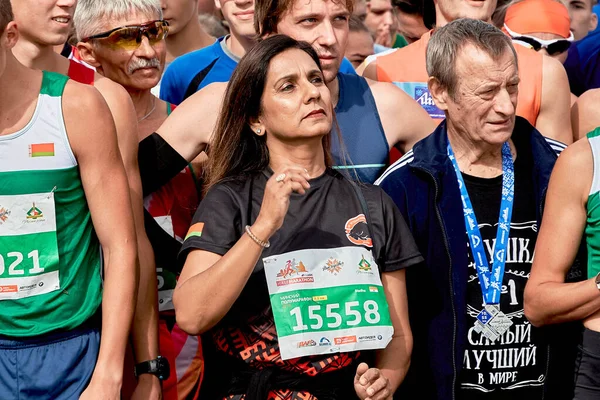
pixel 491 322
pixel 28 246
pixel 327 301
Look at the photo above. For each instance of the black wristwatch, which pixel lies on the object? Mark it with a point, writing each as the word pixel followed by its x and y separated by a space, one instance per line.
pixel 158 367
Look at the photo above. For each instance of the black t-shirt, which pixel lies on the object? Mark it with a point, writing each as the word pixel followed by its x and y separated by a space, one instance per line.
pixel 315 220
pixel 516 364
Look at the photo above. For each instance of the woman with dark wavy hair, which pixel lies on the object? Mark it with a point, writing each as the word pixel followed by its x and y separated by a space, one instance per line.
pixel 294 272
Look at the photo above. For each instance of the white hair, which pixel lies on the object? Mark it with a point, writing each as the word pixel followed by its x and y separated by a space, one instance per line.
pixel 90 15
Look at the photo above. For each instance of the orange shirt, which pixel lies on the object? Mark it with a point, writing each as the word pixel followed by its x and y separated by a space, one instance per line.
pixel 405 68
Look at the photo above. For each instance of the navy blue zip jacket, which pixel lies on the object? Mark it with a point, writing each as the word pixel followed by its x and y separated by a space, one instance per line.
pixel 424 186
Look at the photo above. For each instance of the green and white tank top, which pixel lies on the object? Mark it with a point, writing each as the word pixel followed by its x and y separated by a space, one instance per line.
pixel 50 261
pixel 592 227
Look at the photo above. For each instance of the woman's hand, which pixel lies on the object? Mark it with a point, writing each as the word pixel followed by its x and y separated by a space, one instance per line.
pixel 276 199
pixel 370 384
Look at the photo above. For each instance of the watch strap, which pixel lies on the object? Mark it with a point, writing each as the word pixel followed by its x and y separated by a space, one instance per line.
pixel 158 367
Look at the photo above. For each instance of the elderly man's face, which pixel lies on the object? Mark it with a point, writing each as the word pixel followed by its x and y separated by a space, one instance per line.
pixel 485 97
pixel 454 9
pixel 323 24
pixel 137 69
pixel 47 22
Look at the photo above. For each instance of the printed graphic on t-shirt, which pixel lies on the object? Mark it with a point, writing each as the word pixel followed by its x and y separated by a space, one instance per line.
pixel 357 231
pixel 515 364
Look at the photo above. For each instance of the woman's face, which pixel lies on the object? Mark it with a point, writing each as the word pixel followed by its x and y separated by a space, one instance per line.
pixel 296 103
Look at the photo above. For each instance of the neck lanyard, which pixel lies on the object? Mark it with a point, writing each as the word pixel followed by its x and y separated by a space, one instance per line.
pixel 490 281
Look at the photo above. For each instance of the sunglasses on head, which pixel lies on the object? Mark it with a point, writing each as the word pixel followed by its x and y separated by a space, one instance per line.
pixel 129 37
pixel 554 46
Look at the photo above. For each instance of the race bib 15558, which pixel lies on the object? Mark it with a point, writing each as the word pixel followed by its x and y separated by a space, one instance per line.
pixel 327 301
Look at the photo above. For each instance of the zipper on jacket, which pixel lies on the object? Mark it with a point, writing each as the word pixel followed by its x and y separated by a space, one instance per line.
pixel 439 216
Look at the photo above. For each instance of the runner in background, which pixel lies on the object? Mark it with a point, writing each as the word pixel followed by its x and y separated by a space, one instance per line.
pixel 410 15
pixel 583 19
pixel 382 23
pixel 137 67
pixel 185 31
pixel 44 25
pixel 544 95
pixel 582 65
pixel 269 173
pixel 67 236
pixel 360 42
pixel 215 63
pixel 372 116
pixel 543 26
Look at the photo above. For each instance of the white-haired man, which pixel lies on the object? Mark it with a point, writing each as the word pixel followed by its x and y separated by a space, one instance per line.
pixel 127 45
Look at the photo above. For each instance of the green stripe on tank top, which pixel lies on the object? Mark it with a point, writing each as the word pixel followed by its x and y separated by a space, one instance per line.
pixel 53 84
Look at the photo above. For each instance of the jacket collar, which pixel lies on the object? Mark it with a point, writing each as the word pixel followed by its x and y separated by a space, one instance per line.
pixel 431 153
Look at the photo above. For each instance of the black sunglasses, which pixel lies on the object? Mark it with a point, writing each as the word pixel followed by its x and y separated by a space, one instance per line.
pixel 552 46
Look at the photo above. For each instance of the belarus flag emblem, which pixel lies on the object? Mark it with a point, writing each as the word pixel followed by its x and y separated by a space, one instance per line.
pixel 41 150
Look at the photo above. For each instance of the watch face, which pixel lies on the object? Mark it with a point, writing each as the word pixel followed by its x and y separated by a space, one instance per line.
pixel 164 369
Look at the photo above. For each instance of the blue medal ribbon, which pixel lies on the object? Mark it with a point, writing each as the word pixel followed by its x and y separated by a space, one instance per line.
pixel 489 280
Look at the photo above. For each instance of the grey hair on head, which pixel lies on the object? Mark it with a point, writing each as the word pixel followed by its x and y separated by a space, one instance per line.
pixel 446 43
pixel 90 15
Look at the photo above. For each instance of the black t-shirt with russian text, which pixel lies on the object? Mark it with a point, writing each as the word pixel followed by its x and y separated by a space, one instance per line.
pixel 515 366
pixel 324 217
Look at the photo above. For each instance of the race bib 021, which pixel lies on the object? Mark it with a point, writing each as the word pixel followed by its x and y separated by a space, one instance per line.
pixel 327 301
pixel 28 246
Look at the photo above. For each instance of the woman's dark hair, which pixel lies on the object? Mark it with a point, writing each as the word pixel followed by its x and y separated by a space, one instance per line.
pixel 235 150
pixel 6 14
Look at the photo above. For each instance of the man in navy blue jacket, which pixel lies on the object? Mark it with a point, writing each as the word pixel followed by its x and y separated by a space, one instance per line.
pixel 472 193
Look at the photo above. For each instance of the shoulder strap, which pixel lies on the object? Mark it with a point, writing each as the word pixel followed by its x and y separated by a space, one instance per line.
pixel 53 83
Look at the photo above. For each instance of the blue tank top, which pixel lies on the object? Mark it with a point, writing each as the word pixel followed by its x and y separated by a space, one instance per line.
pixel 364 141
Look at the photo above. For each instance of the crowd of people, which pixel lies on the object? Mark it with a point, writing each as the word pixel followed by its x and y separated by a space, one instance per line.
pixel 299 199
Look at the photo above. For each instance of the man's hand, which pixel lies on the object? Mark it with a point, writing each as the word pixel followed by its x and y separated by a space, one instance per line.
pixel 370 384
pixel 148 388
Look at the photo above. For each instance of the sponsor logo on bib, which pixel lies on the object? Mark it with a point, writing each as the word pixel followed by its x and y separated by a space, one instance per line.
pixel 333 266
pixel 34 213
pixel 345 339
pixel 307 343
pixel 4 213
pixel 364 267
pixel 324 342
pixel 369 338
pixel 294 272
